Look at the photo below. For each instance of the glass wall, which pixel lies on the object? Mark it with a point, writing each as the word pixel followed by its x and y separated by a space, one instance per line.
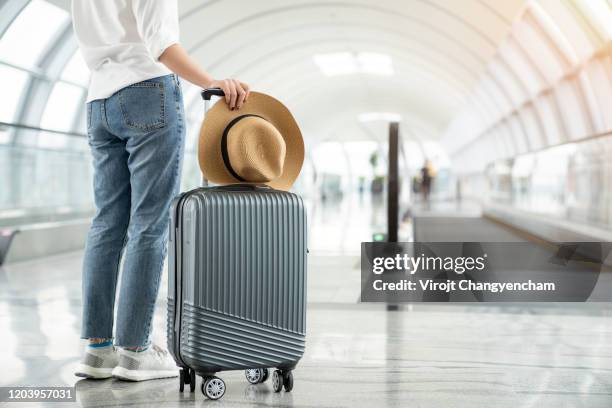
pixel 45 176
pixel 45 164
pixel 45 169
pixel 549 81
pixel 554 128
pixel 570 182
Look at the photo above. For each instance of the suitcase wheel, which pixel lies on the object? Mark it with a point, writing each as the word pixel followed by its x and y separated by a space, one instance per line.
pixel 288 381
pixel 182 377
pixel 256 375
pixel 213 388
pixel 192 380
pixel 282 379
pixel 187 376
pixel 277 381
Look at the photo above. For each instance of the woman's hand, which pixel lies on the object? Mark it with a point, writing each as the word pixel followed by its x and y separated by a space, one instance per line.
pixel 236 92
pixel 176 58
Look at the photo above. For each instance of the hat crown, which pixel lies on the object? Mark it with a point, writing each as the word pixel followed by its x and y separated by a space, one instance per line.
pixel 256 150
pixel 261 143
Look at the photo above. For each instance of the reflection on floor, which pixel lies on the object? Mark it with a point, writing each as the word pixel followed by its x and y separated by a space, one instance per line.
pixel 358 355
pixel 338 225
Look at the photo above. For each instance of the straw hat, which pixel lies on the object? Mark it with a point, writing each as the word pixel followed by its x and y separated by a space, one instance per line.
pixel 260 143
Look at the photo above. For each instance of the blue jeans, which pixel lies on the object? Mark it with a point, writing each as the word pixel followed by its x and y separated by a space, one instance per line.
pixel 137 138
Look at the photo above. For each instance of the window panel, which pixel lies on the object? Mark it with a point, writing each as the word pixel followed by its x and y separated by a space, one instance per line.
pixel 482 149
pixel 600 72
pixel 492 151
pixel 495 96
pixel 12 82
pixel 5 135
pixel 508 139
pixel 21 44
pixel 549 117
pixel 62 107
pixel 499 140
pixel 489 144
pixel 490 110
pixel 485 112
pixel 539 51
pixel 468 156
pixel 76 70
pixel 566 20
pixel 506 79
pixel 521 171
pixel 550 83
pixel 462 130
pixel 513 56
pixel 572 110
pixel 599 14
pixel 530 123
pixel 518 134
pixel 548 182
pixel 81 124
pixel 474 127
pixel 592 109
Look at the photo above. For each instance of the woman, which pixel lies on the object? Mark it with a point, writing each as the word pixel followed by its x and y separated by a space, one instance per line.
pixel 136 130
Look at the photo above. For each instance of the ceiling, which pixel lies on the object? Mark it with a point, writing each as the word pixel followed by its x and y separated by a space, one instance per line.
pixel 438 48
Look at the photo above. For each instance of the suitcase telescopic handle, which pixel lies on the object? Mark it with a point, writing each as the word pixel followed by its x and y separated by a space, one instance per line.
pixel 207 94
pixel 210 92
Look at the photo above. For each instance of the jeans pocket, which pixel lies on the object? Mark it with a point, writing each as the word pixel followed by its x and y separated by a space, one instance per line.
pixel 142 105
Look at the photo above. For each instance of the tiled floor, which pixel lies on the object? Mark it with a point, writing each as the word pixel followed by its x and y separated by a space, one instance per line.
pixel 358 355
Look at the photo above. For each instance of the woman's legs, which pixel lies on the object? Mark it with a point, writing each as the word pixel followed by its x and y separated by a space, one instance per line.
pixel 109 227
pixel 154 166
pixel 137 140
pixel 149 116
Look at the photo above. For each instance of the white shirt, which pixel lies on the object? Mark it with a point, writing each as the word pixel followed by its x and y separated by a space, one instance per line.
pixel 121 40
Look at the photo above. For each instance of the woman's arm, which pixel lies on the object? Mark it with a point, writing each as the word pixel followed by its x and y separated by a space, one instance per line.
pixel 176 58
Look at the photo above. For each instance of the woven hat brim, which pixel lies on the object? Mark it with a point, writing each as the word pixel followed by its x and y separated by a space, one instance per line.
pixel 209 144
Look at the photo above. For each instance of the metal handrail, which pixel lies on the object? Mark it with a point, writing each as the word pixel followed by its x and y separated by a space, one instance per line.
pixel 57 132
pixel 39 129
pixel 39 74
pixel 584 139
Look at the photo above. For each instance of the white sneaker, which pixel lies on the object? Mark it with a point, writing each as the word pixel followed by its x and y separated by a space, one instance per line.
pixel 155 362
pixel 98 362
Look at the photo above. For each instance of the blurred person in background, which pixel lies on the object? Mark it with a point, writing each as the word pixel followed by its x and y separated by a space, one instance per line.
pixel 136 130
pixel 427 176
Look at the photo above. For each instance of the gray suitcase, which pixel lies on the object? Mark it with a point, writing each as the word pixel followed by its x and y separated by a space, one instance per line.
pixel 237 285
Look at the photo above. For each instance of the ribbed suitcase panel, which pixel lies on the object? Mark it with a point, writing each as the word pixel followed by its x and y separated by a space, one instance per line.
pixel 220 342
pixel 248 256
pixel 244 279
